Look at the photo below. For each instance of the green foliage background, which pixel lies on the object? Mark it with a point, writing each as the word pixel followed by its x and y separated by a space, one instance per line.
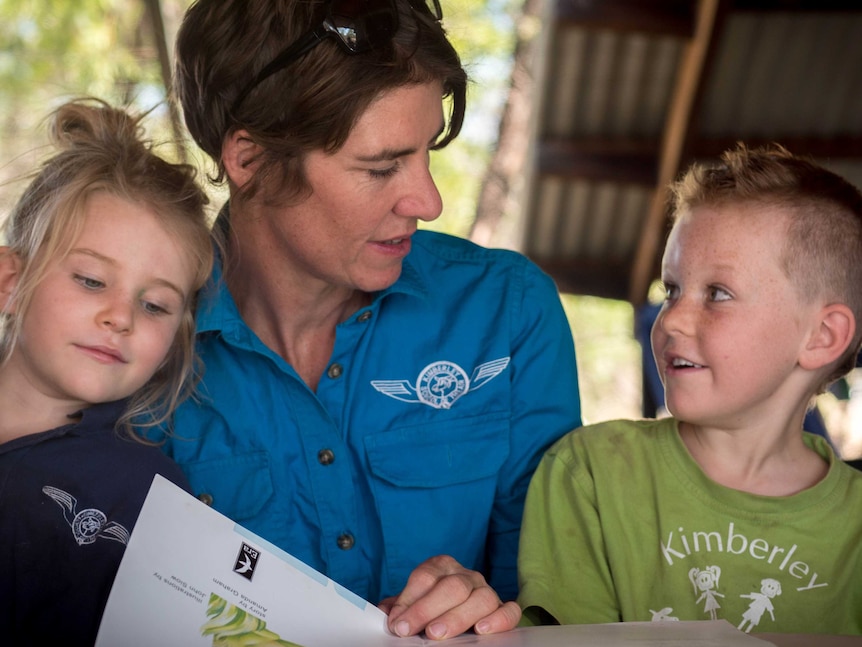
pixel 52 50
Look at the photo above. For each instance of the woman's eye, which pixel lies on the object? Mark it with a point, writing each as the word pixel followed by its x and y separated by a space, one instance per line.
pixel 383 173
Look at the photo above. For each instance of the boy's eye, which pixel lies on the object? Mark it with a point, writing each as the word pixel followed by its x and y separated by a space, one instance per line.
pixel 718 294
pixel 670 291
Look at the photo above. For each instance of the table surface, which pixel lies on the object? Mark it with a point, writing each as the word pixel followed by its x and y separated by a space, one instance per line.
pixel 810 640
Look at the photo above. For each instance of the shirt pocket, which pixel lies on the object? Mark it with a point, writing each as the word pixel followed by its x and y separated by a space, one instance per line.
pixel 238 486
pixel 434 487
pixel 440 454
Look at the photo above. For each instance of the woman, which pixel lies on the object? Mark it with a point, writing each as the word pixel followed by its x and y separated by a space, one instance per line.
pixel 375 397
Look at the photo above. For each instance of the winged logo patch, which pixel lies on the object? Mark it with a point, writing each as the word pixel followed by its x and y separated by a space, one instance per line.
pixel 441 383
pixel 89 524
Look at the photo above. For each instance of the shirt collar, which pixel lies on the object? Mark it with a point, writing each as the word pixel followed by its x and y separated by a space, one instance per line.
pixel 216 307
pixel 94 419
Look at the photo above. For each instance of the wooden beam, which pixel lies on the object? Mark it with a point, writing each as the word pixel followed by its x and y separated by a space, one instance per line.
pixel 635 161
pixel 631 161
pixel 676 131
pixel 797 6
pixel 668 17
pixel 822 148
pixel 607 278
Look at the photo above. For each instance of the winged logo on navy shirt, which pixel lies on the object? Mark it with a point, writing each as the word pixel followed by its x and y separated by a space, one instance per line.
pixel 89 524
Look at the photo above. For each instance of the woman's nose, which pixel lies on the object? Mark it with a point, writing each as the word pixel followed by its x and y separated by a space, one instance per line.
pixel 422 199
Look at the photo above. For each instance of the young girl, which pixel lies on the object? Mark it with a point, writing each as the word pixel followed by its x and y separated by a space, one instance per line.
pixel 107 248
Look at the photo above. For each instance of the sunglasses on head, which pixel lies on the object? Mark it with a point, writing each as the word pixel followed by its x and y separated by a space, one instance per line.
pixel 356 25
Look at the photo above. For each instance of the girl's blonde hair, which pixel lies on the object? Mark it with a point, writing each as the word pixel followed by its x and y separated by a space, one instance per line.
pixel 102 149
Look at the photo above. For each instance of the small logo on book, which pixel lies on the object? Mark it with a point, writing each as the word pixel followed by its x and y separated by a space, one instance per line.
pixel 246 561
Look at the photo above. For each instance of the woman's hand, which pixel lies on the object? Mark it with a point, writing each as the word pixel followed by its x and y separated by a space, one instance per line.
pixel 445 599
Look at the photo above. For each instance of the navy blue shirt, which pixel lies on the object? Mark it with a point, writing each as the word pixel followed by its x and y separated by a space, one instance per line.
pixel 69 498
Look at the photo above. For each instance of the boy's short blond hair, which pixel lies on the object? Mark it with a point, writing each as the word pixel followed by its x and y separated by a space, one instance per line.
pixel 822 253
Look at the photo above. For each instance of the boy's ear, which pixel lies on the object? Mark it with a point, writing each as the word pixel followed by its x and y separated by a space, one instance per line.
pixel 10 271
pixel 830 338
pixel 238 154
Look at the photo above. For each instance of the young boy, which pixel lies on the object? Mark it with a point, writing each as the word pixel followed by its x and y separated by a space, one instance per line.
pixel 727 509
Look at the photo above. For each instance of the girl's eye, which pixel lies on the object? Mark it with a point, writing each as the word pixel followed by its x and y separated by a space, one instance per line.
pixel 154 309
pixel 88 282
pixel 718 294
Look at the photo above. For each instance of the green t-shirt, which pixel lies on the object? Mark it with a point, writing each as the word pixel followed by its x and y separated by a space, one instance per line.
pixel 622 524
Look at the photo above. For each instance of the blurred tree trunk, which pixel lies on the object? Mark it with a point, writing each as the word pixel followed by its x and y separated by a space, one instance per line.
pixel 504 184
pixel 157 22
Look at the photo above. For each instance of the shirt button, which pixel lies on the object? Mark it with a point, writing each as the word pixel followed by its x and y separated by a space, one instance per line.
pixel 365 316
pixel 325 457
pixel 206 498
pixel 334 371
pixel 346 541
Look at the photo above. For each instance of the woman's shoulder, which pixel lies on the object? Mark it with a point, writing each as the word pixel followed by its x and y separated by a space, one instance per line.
pixel 442 259
pixel 448 247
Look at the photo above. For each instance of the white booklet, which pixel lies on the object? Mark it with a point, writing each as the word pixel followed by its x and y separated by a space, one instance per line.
pixel 191 576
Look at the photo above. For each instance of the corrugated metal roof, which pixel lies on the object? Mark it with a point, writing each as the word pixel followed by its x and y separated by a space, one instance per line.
pixel 614 79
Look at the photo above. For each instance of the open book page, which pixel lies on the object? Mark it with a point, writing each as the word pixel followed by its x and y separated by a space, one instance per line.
pixel 191 576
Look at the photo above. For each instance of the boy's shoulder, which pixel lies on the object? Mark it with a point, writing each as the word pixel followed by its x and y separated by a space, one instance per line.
pixel 855 463
pixel 611 436
pixel 853 471
pixel 638 428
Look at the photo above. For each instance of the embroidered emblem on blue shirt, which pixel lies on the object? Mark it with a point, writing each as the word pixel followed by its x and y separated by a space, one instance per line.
pixel 88 525
pixel 441 383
